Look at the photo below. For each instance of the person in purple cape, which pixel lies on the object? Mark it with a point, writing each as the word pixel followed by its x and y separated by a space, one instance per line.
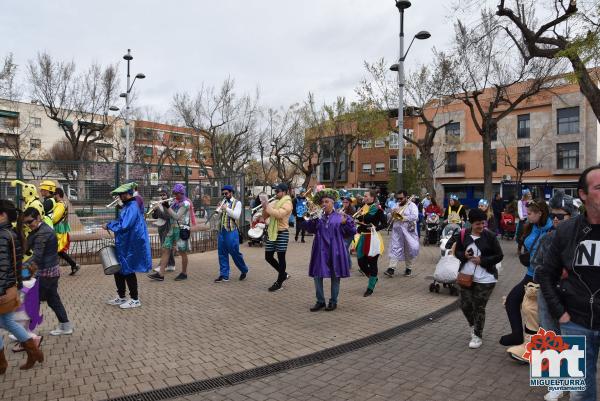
pixel 329 256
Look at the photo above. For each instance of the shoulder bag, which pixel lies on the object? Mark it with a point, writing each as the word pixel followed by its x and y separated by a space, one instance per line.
pixel 10 301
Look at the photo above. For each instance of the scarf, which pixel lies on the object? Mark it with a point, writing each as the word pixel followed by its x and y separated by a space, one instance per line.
pixel 272 231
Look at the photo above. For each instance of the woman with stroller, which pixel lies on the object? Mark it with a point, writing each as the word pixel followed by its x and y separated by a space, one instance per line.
pixel 539 224
pixel 479 252
pixel 11 255
pixel 455 212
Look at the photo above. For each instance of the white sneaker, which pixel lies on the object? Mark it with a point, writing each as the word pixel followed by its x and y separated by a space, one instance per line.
pixel 157 268
pixel 12 337
pixel 132 303
pixel 62 329
pixel 553 395
pixel 475 342
pixel 117 301
pixel 170 268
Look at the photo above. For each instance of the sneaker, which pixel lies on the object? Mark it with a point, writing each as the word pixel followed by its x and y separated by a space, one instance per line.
pixel 243 276
pixel 181 277
pixel 275 287
pixel 170 268
pixel 553 395
pixel 475 342
pixel 74 270
pixel 62 329
pixel 407 273
pixel 156 276
pixel 117 301
pixel 389 272
pixel 222 279
pixel 132 303
pixel 157 269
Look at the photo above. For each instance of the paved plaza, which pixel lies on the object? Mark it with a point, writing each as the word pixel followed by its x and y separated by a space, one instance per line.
pixel 194 330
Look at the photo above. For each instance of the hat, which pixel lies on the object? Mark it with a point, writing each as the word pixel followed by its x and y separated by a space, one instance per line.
pixel 48 185
pixel 483 202
pixel 565 202
pixel 453 197
pixel 179 189
pixel 325 193
pixel 280 187
pixel 345 194
pixel 525 191
pixel 228 188
pixel 125 188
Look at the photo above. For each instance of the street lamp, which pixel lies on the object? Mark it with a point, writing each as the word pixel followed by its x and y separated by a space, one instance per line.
pixel 127 95
pixel 403 5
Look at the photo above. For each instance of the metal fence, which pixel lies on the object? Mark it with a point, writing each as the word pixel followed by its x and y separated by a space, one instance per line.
pixel 87 187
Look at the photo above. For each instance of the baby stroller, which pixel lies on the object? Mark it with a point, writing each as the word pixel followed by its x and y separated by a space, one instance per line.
pixel 256 233
pixel 432 229
pixel 447 268
pixel 508 225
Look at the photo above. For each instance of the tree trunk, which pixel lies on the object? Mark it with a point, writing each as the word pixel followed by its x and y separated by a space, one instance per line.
pixel 490 128
pixel 427 157
pixel 587 85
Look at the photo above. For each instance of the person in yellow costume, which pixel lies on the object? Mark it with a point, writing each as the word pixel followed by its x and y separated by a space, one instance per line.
pixel 30 197
pixel 60 218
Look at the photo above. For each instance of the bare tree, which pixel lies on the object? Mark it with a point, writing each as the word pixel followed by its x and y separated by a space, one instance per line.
pixel 566 32
pixel 424 87
pixel 491 78
pixel 227 122
pixel 79 103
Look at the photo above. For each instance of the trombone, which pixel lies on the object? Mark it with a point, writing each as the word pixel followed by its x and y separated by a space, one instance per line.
pixel 155 204
pixel 259 207
pixel 397 214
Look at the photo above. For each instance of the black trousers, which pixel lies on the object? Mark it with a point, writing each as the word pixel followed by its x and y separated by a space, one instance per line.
pixel 67 259
pixel 278 264
pixel 299 227
pixel 514 299
pixel 49 293
pixel 368 265
pixel 130 281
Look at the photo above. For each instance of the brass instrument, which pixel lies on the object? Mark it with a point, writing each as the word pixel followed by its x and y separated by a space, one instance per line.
pixel 116 200
pixel 397 214
pixel 155 204
pixel 259 207
pixel 218 209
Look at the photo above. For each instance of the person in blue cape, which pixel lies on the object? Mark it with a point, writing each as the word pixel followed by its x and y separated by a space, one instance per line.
pixel 132 245
pixel 329 256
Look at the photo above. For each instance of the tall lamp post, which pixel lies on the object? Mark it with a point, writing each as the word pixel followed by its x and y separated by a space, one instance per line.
pixel 127 96
pixel 403 5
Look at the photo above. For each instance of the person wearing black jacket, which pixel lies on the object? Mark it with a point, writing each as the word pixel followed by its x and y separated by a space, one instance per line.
pixel 479 252
pixel 11 256
pixel 370 215
pixel 569 276
pixel 498 208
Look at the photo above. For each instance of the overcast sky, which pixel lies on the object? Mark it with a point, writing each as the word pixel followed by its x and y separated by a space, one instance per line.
pixel 285 48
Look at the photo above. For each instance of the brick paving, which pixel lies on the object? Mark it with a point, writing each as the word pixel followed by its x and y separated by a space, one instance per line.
pixel 429 363
pixel 193 330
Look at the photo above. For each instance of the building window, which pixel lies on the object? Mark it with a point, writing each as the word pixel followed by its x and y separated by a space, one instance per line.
pixel 147 151
pixel 104 151
pixel 36 122
pixel 452 158
pixel 366 168
pixel 393 138
pixel 8 140
pixel 379 167
pixel 494 160
pixel 523 158
pixel 326 171
pixel 351 166
pixel 523 126
pixel 567 120
pixel 452 131
pixel 380 143
pixel 366 144
pixel 35 143
pixel 393 163
pixel 567 156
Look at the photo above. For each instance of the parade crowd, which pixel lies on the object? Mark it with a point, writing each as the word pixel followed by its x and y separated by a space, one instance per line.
pixel 557 246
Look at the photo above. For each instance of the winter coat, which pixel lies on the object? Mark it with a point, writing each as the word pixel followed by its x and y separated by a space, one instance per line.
pixel 491 251
pixel 531 242
pixel 8 278
pixel 44 245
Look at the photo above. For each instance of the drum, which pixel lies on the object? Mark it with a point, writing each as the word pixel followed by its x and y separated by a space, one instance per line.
pixel 109 260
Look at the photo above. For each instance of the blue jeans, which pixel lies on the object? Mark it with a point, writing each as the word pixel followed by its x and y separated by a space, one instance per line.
pixel 228 243
pixel 335 290
pixel 547 322
pixel 7 321
pixel 592 344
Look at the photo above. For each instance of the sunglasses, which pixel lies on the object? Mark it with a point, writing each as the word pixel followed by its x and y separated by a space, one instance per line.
pixel 224 193
pixel 559 216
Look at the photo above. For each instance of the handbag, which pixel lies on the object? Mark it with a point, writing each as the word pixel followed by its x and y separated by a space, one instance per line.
pixel 184 232
pixel 10 301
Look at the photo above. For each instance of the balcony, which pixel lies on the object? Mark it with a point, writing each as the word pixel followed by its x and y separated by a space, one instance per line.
pixel 455 168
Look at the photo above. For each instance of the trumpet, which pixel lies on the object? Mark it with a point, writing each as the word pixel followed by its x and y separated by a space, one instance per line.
pixel 218 209
pixel 116 200
pixel 155 204
pixel 397 214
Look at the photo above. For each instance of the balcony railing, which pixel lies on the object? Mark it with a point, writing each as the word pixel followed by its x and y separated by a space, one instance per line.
pixel 455 168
